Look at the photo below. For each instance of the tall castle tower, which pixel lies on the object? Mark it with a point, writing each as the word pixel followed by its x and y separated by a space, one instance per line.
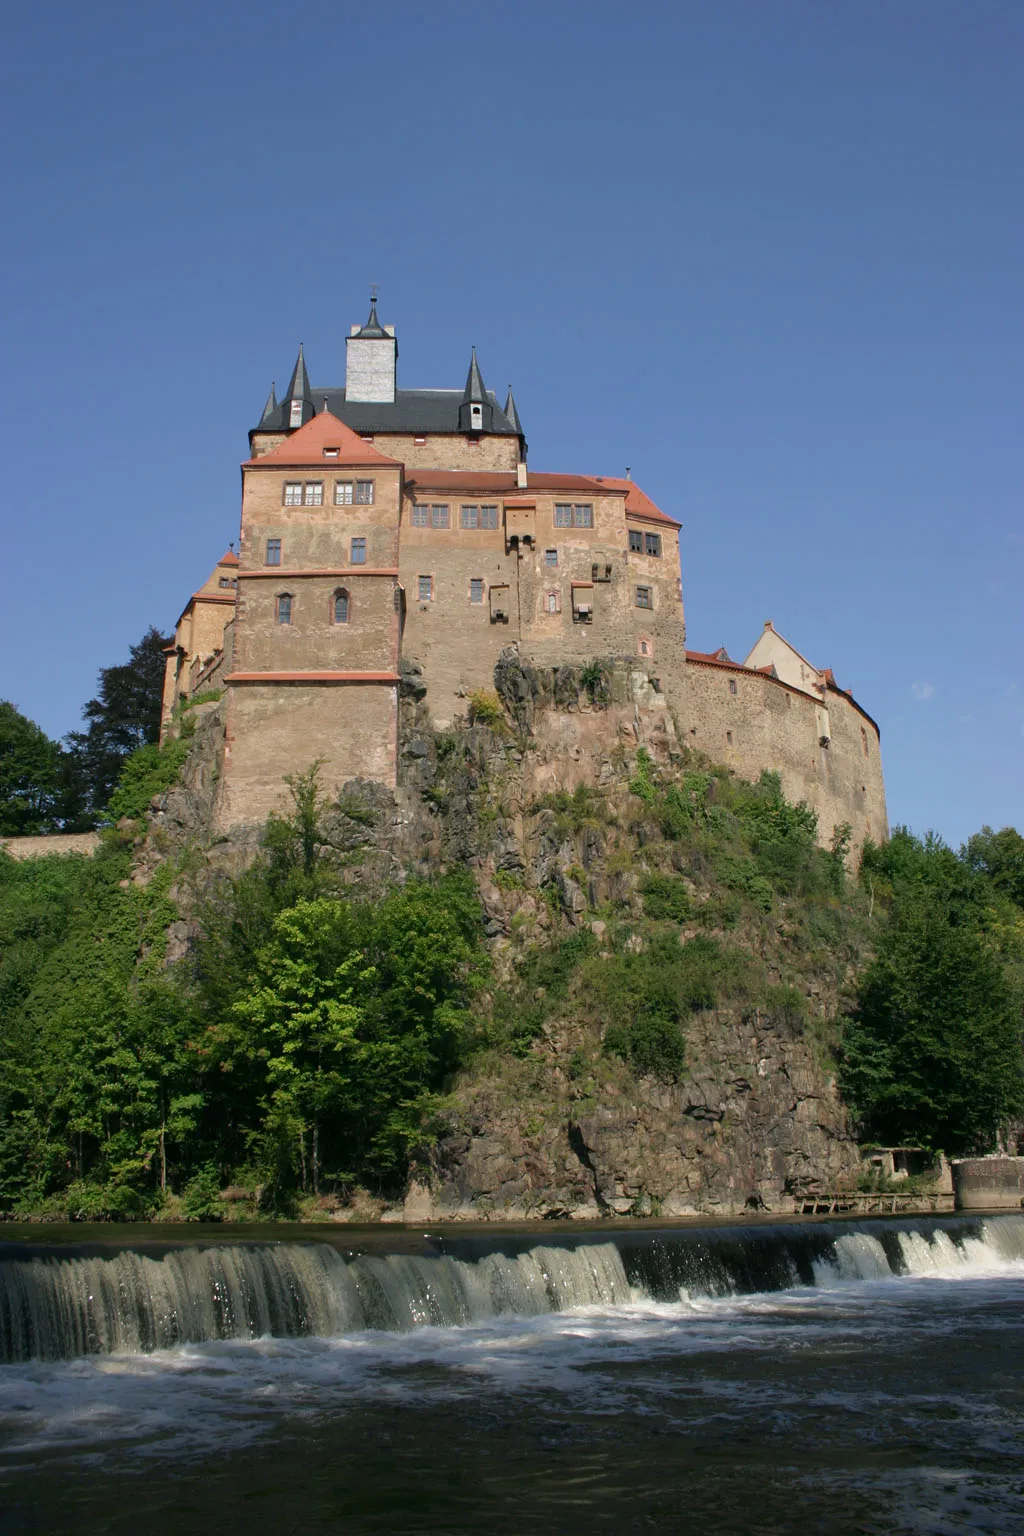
pixel 379 523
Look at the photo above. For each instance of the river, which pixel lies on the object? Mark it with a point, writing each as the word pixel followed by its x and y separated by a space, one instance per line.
pixel 835 1377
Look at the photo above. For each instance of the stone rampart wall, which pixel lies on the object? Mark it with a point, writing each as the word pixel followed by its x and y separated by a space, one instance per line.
pixel 56 842
pixel 750 722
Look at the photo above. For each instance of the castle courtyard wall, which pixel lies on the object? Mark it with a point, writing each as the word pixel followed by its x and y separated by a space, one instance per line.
pixel 761 723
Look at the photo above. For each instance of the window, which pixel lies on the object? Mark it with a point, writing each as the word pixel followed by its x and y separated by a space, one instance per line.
pixel 419 439
pixel 228 581
pixel 358 551
pixel 553 601
pixel 273 554
pixel 314 496
pixel 364 493
pixel 864 741
pixel 600 573
pixel 340 607
pixel 573 515
pixel 331 453
pixel 284 607
pixel 425 588
pixel 295 414
pixel 476 589
pixel 732 685
pixel 645 649
pixel 551 557
pixel 652 544
pixel 293 493
pixel 644 597
pixel 636 542
pixel 343 493
pixel 488 517
pixel 424 516
pixel 469 517
pixel 728 737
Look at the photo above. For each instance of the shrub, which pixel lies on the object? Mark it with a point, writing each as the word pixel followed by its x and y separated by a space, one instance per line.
pixel 666 898
pixel 485 709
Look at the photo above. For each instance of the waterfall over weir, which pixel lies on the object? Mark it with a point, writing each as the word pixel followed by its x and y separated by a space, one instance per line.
pixel 60 1304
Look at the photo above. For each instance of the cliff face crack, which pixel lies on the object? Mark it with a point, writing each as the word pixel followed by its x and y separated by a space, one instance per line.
pixel 581 1150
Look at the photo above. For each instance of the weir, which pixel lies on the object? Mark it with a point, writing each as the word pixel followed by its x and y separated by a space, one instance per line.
pixel 57 1303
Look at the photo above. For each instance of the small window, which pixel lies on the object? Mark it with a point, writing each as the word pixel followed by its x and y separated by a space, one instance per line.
pixel 227 581
pixel 284 607
pixel 273 554
pixel 420 516
pixel 364 493
pixel 367 437
pixel 476 418
pixel 645 649
pixel 314 493
pixel 293 493
pixel 732 685
pixel 488 517
pixel 476 589
pixel 644 597
pixel 340 607
pixel 344 493
pixel 551 557
pixel 728 738
pixel 652 544
pixel 419 439
pixel 864 740
pixel 600 573
pixel 553 601
pixel 469 517
pixel 295 414
pixel 331 453
pixel 425 588
pixel 358 551
pixel 439 517
pixel 636 542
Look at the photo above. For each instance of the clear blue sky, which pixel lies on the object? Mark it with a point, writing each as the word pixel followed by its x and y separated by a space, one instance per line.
pixel 766 252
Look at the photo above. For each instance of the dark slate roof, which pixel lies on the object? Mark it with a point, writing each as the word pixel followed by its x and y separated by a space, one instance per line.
pixel 373 328
pixel 475 390
pixel 414 410
pixel 298 385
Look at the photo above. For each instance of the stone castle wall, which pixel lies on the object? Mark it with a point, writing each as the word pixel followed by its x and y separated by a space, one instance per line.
pixel 750 722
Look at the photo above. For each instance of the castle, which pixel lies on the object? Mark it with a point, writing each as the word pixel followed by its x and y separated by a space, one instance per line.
pixel 382 524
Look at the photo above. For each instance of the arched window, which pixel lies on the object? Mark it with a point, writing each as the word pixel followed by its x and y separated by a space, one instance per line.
pixel 340 607
pixel 284 607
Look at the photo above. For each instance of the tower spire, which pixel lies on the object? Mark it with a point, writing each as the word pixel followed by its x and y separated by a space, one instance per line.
pixel 271 406
pixel 476 413
pixel 512 413
pixel 299 399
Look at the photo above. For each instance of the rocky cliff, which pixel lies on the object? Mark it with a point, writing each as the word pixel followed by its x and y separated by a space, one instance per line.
pixel 554 793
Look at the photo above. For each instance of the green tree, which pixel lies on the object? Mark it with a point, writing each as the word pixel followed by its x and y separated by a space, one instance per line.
pixel 933 1054
pixel 124 716
pixel 31 780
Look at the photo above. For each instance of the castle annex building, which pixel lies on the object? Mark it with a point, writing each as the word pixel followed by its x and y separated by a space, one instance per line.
pixel 382 524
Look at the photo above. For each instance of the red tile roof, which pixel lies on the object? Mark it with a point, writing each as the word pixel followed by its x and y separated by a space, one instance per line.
pixel 306 447
pixel 229 559
pixel 496 483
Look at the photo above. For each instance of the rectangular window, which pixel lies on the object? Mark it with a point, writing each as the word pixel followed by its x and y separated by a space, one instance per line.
pixel 469 517
pixel 295 414
pixel 644 597
pixel 314 493
pixel 488 517
pixel 419 439
pixel 439 517
pixel 273 554
pixel 343 493
pixel 284 608
pixel 420 516
pixel 331 453
pixel 574 515
pixel 358 551
pixel 293 493
pixel 425 588
pixel 652 544
pixel 636 542
pixel 476 589
pixel 364 493
pixel 551 557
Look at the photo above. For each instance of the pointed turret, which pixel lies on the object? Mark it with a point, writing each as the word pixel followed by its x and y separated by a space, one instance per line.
pixel 372 330
pixel 269 410
pixel 476 412
pixel 299 399
pixel 512 413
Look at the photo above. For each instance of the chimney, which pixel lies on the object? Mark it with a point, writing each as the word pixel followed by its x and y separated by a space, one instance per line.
pixel 521 475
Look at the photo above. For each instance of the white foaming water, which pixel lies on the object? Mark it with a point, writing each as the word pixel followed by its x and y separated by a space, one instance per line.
pixel 862 1256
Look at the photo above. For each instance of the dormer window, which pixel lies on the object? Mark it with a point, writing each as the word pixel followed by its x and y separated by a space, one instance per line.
pixel 331 453
pixel 295 414
pixel 476 418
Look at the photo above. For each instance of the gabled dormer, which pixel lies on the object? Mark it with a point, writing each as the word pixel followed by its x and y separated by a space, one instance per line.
pixel 476 413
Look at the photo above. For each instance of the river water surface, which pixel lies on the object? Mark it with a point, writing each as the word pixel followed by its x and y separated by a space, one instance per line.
pixel 847 1377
